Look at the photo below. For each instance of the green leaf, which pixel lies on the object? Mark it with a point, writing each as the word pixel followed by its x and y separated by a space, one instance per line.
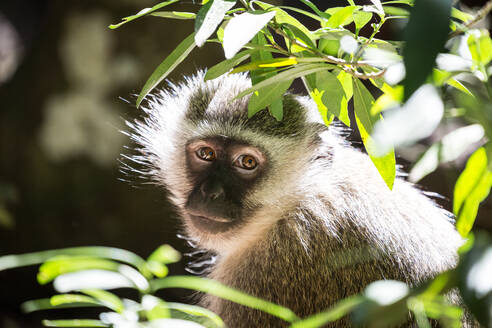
pixel 301 36
pixel 363 102
pixel 425 36
pixel 472 187
pixel 346 82
pixel 361 18
pixel 59 265
pixel 117 254
pixel 315 9
pixel 71 298
pixel 282 17
pixel 290 74
pixel 106 298
pixel 196 311
pixel 332 94
pixel 462 16
pixel 269 94
pixel 226 65
pixel 269 63
pixel 167 66
pixel 165 254
pixel 336 312
pixel 209 18
pixel 480 46
pixel 143 12
pixel 236 35
pixel 45 304
pixel 217 289
pixel 174 14
pixel 340 16
pixel 306 13
pixel 396 11
pixel 74 323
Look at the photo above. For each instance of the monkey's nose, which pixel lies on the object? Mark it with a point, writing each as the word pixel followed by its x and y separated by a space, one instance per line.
pixel 212 191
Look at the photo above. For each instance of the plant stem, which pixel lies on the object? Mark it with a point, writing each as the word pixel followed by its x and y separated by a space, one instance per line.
pixel 481 14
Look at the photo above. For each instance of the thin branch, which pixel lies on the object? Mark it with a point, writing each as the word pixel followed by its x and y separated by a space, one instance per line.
pixel 481 14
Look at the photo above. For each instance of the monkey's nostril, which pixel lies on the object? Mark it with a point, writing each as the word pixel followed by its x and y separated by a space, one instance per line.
pixel 212 191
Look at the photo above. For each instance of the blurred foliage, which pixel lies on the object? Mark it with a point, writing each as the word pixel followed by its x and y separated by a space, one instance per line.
pixel 441 71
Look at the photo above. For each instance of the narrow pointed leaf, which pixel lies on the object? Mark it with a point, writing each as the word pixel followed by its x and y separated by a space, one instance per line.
pixel 472 187
pixel 196 311
pixel 363 102
pixel 226 65
pixel 74 323
pixel 174 14
pixel 241 29
pixel 45 304
pixel 143 12
pixel 106 298
pixel 209 18
pixel 167 66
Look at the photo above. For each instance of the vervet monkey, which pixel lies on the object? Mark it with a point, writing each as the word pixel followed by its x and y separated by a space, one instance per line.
pixel 294 214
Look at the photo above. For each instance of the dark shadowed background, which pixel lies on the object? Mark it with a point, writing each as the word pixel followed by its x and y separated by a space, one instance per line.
pixel 67 84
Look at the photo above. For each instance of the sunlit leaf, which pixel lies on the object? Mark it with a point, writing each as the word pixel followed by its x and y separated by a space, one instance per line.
pixel 346 82
pixel 422 47
pixel 282 17
pixel 269 63
pixel 290 74
pixel 379 6
pixel 268 95
pixel 216 289
pixel 143 12
pixel 174 323
pixel 361 18
pixel 196 311
pixel 461 15
pixel 91 279
pixel 472 187
pixel 174 14
pixel 45 304
pixel 74 323
pixel 332 94
pixel 301 36
pixel 117 254
pixel 236 35
pixel 396 11
pixel 226 65
pixel 315 9
pixel 341 16
pixel 105 298
pixel 338 311
pixel 384 162
pixel 480 46
pixel 449 148
pixel 167 66
pixel 209 18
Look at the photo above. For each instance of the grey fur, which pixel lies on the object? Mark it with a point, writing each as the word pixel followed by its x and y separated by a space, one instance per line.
pixel 325 226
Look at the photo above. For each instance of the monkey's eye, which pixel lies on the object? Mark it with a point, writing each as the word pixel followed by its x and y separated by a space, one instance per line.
pixel 246 162
pixel 206 153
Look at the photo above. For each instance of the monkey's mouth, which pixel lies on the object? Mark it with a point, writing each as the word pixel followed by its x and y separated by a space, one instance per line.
pixel 210 222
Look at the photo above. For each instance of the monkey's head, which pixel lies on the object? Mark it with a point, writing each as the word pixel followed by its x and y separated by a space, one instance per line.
pixel 227 174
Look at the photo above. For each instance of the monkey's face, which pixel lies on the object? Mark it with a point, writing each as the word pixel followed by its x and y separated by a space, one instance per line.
pixel 222 171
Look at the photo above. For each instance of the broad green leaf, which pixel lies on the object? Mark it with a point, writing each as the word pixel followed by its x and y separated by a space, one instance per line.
pixel 300 11
pixel 391 98
pixel 226 65
pixel 196 311
pixel 325 114
pixel 117 254
pixel 332 93
pixel 422 46
pixel 209 18
pixel 361 18
pixel 174 14
pixel 167 66
pixel 74 323
pixel 480 46
pixel 346 82
pixel 236 35
pixel 217 289
pixel 290 74
pixel 143 12
pixel 340 16
pixel 59 265
pixel 268 94
pixel 336 312
pixel 472 187
pixel 449 148
pixel 363 102
pixel 105 298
